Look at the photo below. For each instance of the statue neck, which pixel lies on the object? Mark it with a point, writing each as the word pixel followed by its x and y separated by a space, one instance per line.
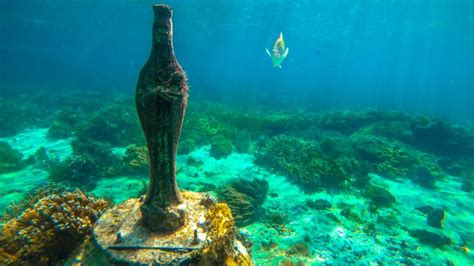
pixel 162 43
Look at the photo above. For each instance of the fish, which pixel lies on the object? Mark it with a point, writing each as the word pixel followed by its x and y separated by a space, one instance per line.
pixel 280 52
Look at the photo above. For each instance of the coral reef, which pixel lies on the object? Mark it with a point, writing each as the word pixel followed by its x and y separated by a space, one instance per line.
pixel 257 188
pixel 244 208
pixel 90 161
pixel 319 204
pixel 135 160
pixel 245 199
pixel 49 230
pixel 329 153
pixel 186 146
pixel 305 164
pixel 379 197
pixel 16 208
pixel 394 159
pixel 10 159
pixel 349 122
pixel 221 147
pixel 202 124
pixel 224 248
pixel 276 220
pixel 442 138
pixel 348 212
pixel 391 130
pixel 299 248
pixel 65 122
pixel 242 141
pixel 15 117
pixel 115 123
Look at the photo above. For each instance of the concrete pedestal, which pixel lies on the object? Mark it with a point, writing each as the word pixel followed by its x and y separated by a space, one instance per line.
pixel 207 237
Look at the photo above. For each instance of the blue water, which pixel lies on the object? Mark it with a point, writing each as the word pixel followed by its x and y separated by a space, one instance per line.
pixel 409 55
pixel 414 56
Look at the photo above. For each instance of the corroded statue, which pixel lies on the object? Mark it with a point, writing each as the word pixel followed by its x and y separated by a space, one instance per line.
pixel 161 99
pixel 166 227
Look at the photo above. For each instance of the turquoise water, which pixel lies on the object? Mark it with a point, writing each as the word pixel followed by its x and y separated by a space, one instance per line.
pixel 359 150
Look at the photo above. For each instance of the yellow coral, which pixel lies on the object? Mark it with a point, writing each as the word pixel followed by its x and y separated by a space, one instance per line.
pixel 49 230
pixel 224 248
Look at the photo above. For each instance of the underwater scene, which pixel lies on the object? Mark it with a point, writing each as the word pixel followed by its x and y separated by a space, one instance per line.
pixel 212 132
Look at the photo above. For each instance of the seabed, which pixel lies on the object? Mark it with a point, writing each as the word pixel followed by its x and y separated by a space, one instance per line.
pixel 287 230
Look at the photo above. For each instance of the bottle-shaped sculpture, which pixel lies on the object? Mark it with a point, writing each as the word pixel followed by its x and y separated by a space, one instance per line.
pixel 161 98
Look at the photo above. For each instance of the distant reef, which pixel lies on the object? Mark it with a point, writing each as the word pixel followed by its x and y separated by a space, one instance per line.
pixel 346 168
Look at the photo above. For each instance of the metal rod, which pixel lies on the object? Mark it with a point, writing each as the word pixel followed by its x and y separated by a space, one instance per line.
pixel 173 249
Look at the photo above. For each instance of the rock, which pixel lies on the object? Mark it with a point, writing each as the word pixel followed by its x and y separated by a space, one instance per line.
pixel 430 238
pixel 221 147
pixel 245 198
pixel 242 140
pixel 10 159
pixel 423 177
pixel 319 204
pixel 436 218
pixel 299 248
pixel 191 161
pixel 186 146
pixel 440 137
pixel 268 245
pixel 333 217
pixel 425 209
pixel 450 166
pixel 257 188
pixel 379 197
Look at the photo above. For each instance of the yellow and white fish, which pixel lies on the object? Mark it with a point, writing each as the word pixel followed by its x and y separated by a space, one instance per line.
pixel 280 52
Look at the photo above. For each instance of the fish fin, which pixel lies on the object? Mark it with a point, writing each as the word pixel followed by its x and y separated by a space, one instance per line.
pixel 268 52
pixel 285 54
pixel 281 35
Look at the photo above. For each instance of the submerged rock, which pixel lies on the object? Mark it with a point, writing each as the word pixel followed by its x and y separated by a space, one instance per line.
pixel 430 238
pixel 65 122
pixel 186 146
pixel 10 159
pixel 319 204
pixel 242 140
pixel 423 177
pixel 379 197
pixel 436 218
pixel 257 188
pixel 299 248
pixel 245 198
pixel 91 160
pixel 115 123
pixel 425 209
pixel 221 147
pixel 440 137
pixel 450 166
pixel 136 160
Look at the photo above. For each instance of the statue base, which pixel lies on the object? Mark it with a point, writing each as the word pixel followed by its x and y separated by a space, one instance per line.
pixel 207 237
